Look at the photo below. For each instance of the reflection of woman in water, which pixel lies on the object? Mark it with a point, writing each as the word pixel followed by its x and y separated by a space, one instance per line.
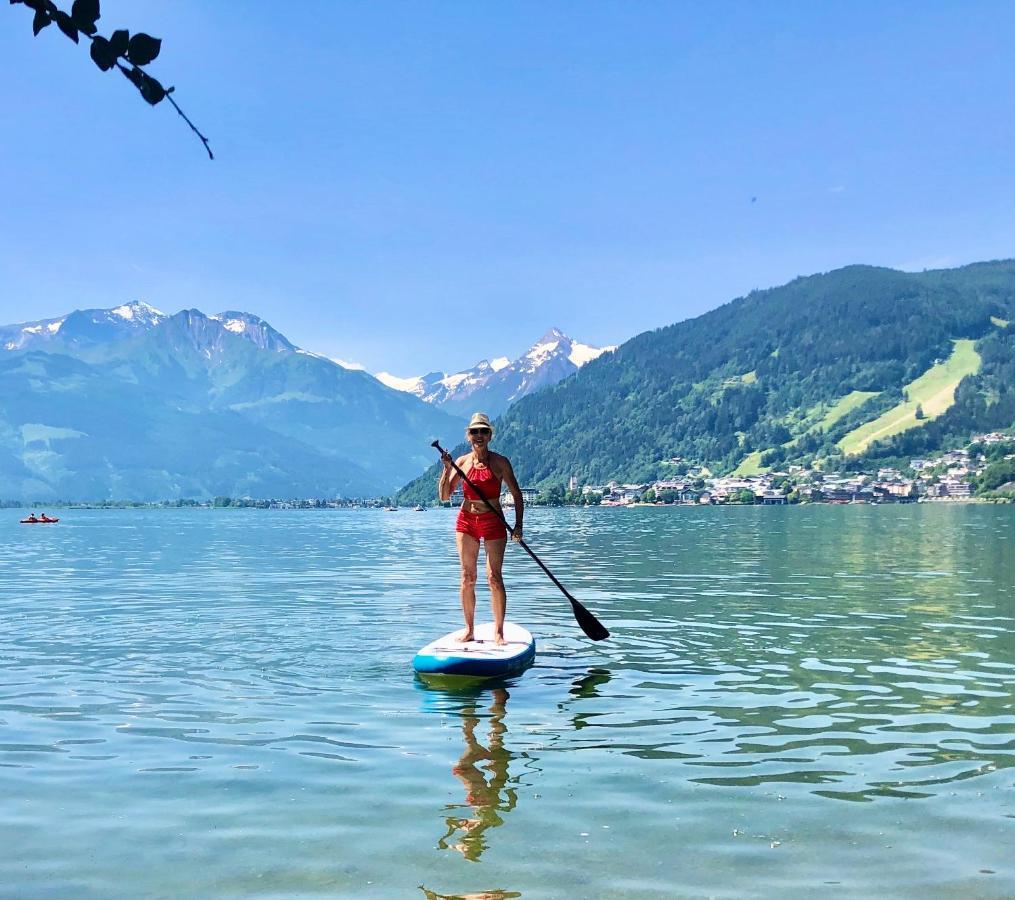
pixel 484 796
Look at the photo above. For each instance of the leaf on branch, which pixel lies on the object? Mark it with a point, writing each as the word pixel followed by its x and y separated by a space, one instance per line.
pixel 118 41
pixel 37 5
pixel 132 75
pixel 102 54
pixel 65 24
pixel 40 21
pixel 151 89
pixel 85 14
pixel 143 48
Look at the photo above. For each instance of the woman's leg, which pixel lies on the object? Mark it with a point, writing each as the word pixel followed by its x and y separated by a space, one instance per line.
pixel 498 595
pixel 468 552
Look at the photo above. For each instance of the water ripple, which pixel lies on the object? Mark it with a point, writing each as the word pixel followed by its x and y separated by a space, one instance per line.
pixel 226 695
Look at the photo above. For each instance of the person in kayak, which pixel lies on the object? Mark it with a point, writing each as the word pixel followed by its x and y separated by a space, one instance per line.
pixel 487 471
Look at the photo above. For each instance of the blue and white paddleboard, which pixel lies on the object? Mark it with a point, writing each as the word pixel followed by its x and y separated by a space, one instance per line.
pixel 479 658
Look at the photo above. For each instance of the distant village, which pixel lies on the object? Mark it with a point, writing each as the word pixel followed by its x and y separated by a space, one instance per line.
pixel 947 477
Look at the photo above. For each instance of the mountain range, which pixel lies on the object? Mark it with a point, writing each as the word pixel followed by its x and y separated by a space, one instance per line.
pixel 493 385
pixel 131 403
pixel 851 368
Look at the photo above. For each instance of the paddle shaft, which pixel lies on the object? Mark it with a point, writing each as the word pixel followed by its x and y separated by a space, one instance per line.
pixel 588 622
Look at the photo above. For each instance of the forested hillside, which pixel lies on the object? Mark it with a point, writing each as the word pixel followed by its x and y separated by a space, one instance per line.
pixel 779 376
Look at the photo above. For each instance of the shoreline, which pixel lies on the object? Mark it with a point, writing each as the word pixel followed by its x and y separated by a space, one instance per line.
pixel 317 506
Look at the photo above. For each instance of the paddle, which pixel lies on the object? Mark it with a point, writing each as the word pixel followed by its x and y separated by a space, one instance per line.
pixel 586 621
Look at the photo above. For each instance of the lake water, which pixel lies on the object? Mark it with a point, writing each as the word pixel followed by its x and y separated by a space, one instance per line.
pixel 795 701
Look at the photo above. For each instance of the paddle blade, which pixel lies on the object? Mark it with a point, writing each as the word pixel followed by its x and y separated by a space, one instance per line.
pixel 593 628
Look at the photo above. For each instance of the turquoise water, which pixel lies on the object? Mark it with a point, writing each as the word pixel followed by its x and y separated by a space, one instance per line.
pixel 795 700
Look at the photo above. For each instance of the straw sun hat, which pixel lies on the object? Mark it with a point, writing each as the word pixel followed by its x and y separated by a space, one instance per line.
pixel 480 420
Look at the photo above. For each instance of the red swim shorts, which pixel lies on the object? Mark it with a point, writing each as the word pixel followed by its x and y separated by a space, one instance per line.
pixel 486 525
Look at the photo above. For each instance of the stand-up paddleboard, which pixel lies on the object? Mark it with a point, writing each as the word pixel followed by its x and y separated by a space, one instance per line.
pixel 479 658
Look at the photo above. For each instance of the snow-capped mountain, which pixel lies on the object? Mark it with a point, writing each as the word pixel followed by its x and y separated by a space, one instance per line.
pixel 94 327
pixel 492 386
pixel 255 330
pixel 83 326
pixel 133 403
pixel 438 388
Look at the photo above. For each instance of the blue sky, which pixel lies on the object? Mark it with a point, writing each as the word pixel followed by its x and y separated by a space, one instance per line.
pixel 417 185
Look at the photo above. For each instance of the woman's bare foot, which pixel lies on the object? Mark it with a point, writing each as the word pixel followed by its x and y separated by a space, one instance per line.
pixel 498 639
pixel 465 637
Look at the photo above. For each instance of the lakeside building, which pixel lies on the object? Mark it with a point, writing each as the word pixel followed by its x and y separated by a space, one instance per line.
pixel 993 437
pixel 951 489
pixel 896 489
pixel 682 488
pixel 955 457
pixel 529 495
pixel 670 485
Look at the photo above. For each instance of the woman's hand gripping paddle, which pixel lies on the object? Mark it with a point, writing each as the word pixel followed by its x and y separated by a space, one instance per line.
pixel 586 621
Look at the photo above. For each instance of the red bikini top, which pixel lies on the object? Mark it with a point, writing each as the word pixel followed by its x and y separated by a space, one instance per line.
pixel 485 480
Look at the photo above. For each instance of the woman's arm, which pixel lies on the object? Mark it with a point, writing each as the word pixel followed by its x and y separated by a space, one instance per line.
pixel 508 475
pixel 449 478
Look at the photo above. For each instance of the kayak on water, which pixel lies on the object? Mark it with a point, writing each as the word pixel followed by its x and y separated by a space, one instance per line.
pixel 45 520
pixel 479 658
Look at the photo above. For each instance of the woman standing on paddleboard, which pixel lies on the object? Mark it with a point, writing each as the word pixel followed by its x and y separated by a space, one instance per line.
pixel 487 471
